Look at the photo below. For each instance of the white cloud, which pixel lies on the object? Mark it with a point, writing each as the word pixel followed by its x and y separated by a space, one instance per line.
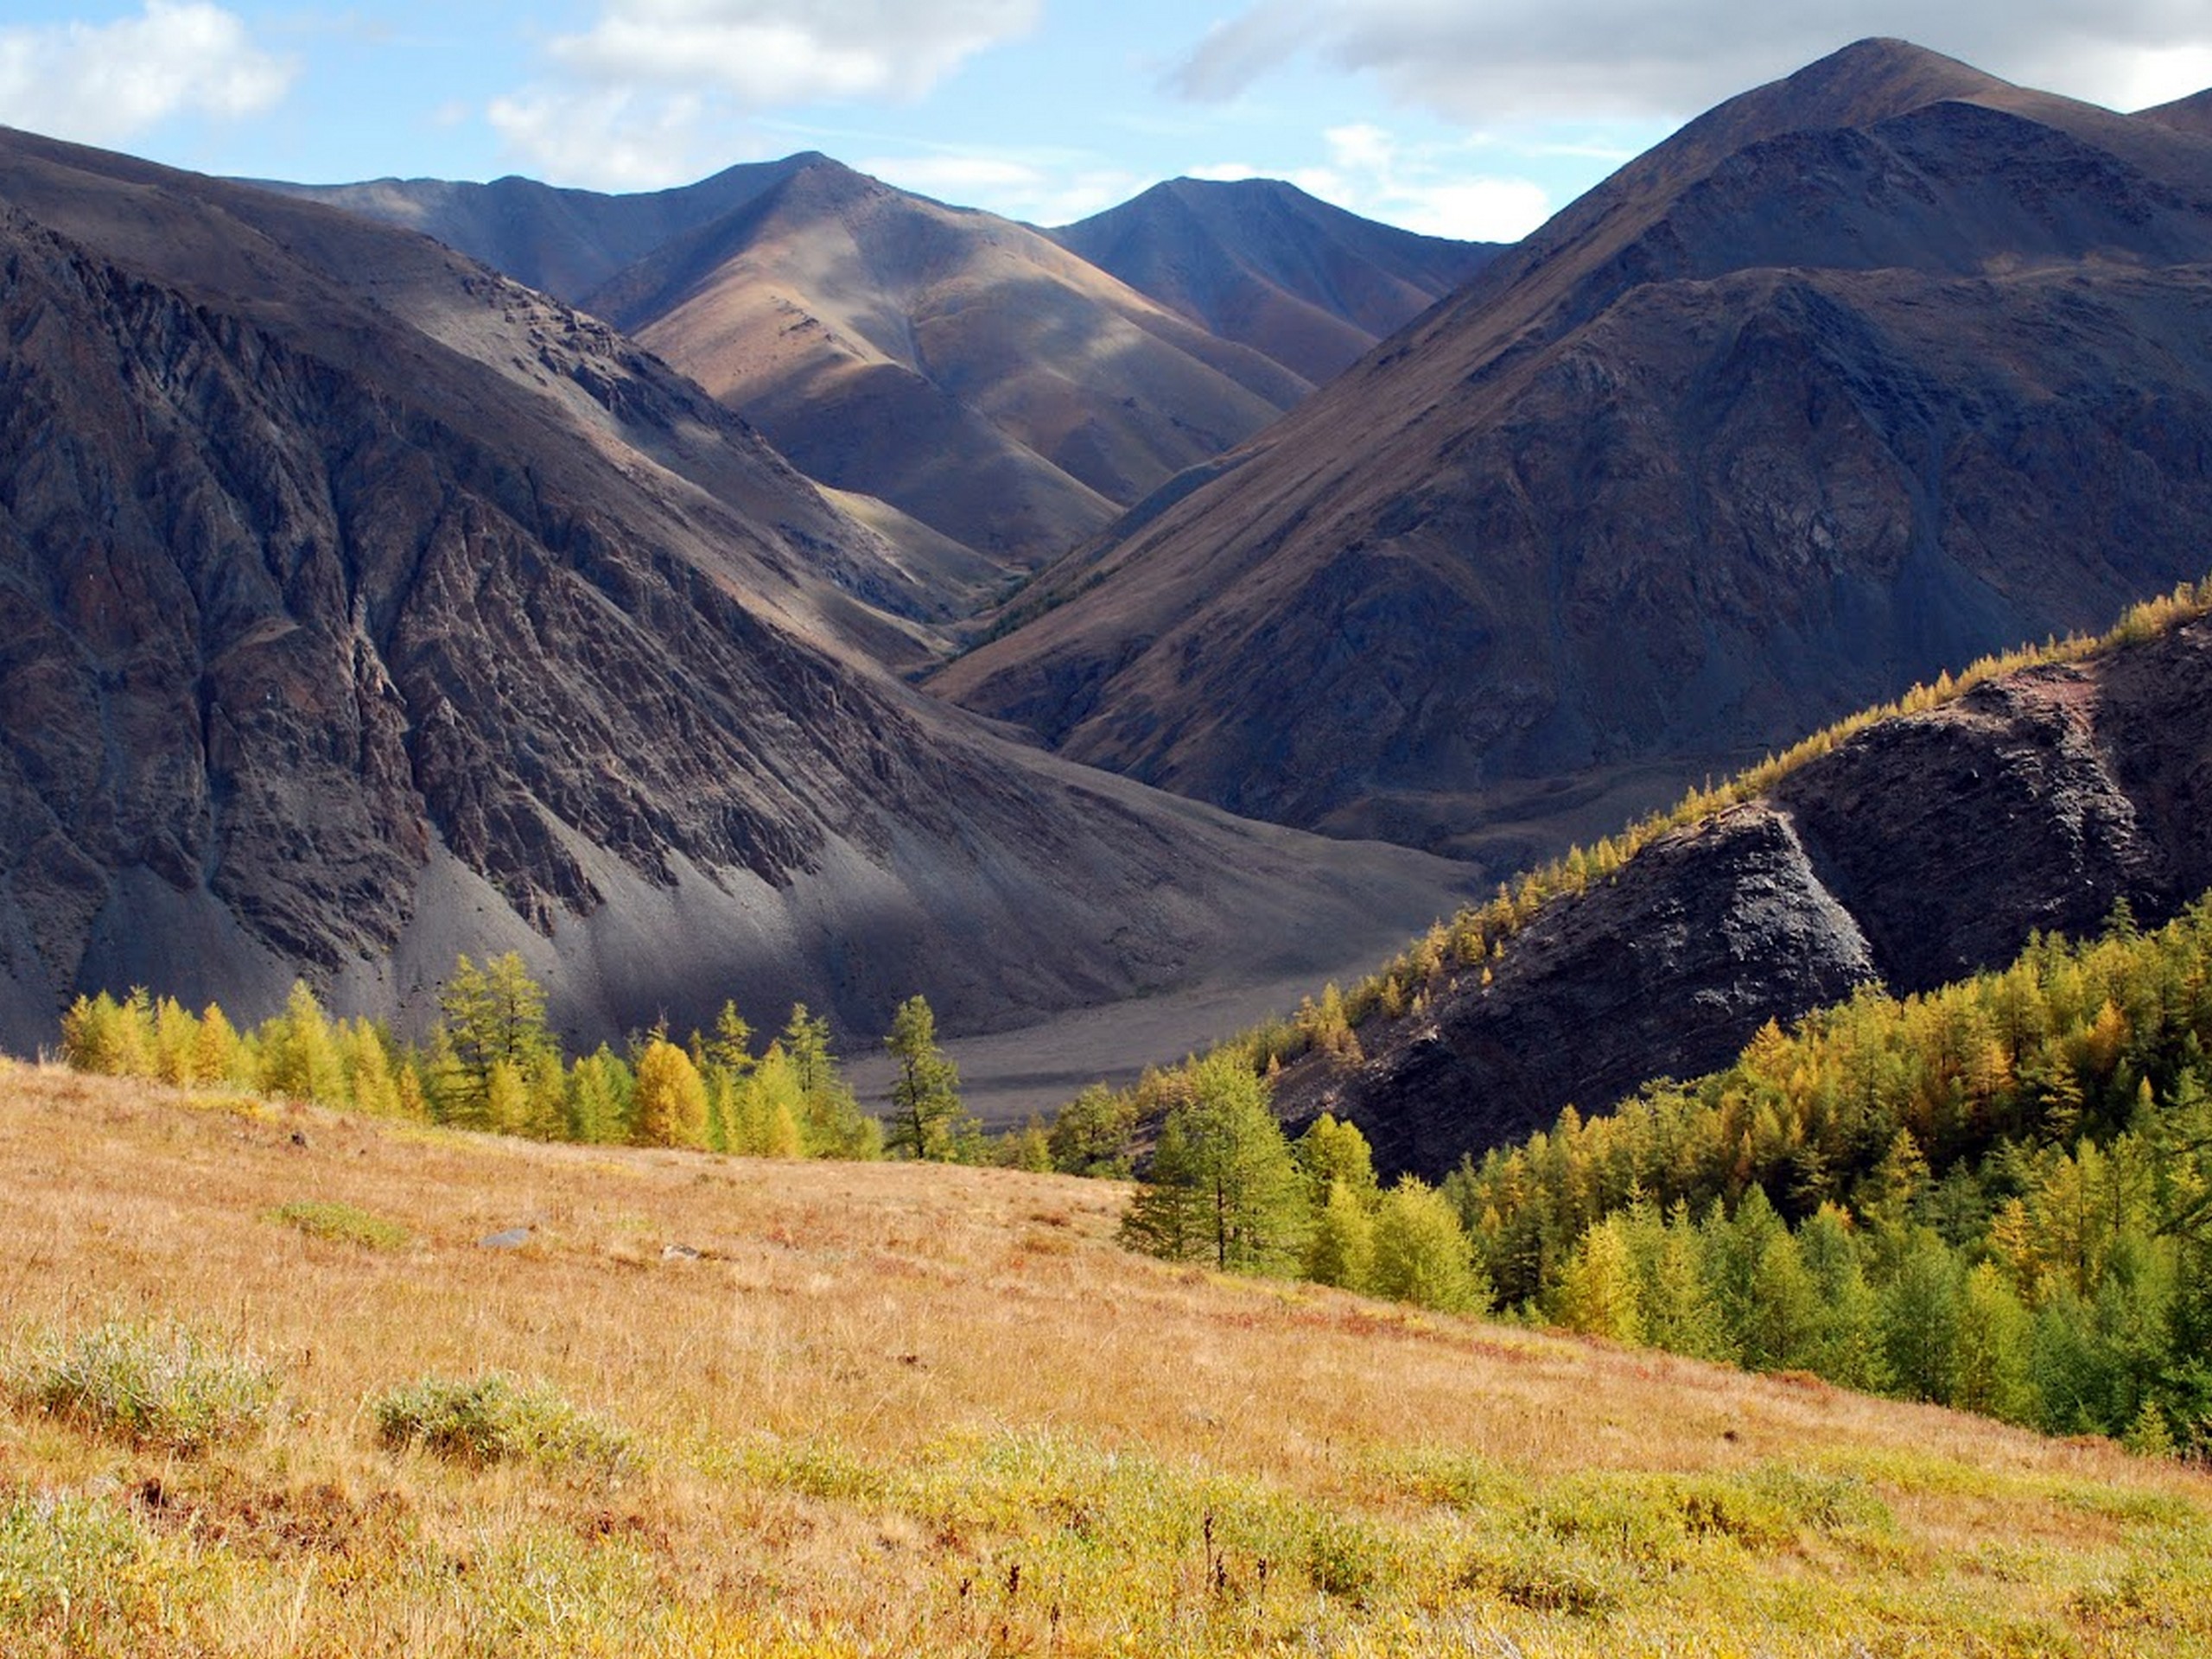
pixel 2140 79
pixel 632 93
pixel 604 138
pixel 1422 189
pixel 768 52
pixel 1225 172
pixel 954 177
pixel 1053 189
pixel 1514 60
pixel 102 83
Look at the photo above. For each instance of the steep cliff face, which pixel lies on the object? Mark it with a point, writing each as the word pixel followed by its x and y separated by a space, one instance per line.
pixel 1924 848
pixel 1865 374
pixel 360 607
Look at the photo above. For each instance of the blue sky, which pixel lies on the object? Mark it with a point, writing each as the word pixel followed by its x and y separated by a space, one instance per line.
pixel 1469 117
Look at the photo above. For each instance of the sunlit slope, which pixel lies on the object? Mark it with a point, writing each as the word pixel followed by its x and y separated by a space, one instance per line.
pixel 890 1409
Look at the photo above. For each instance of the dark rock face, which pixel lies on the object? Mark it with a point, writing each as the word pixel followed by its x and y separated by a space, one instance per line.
pixel 1925 848
pixel 275 630
pixel 1705 934
pixel 358 606
pixel 1861 376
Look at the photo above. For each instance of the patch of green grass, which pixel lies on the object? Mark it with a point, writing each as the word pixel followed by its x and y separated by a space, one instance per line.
pixel 68 1568
pixel 342 1224
pixel 492 1419
pixel 158 1386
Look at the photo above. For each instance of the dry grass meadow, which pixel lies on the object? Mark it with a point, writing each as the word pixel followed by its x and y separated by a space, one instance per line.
pixel 889 1409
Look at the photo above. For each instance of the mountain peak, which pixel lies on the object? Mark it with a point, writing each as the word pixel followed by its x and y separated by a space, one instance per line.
pixel 1856 85
pixel 2191 114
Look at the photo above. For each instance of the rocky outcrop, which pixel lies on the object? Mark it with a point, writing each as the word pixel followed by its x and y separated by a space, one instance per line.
pixel 1863 375
pixel 1924 848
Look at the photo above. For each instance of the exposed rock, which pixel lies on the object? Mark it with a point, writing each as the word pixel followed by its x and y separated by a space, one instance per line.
pixel 1924 848
pixel 361 607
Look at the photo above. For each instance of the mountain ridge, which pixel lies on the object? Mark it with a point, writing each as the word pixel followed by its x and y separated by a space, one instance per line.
pixel 1918 849
pixel 1261 262
pixel 351 628
pixel 1694 467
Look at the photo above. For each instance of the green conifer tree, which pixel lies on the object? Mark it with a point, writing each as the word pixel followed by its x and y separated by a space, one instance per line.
pixel 1422 1254
pixel 1222 1185
pixel 926 1119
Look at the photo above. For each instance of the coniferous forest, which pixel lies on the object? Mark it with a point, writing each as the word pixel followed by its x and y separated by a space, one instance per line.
pixel 1997 1196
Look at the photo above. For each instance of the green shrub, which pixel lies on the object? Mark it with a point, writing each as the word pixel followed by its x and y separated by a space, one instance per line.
pixel 66 1559
pixel 492 1419
pixel 1547 1577
pixel 167 1387
pixel 342 1224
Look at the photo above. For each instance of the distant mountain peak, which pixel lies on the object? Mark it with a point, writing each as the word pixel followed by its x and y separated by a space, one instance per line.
pixel 1856 85
pixel 2192 114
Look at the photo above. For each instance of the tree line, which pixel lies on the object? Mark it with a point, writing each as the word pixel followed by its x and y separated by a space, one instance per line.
pixel 492 1062
pixel 1226 1187
pixel 1996 1196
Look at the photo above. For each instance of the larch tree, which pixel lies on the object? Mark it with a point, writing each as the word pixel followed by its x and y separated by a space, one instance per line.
pixel 926 1120
pixel 671 1097
pixel 1422 1253
pixel 488 1017
pixel 1224 1184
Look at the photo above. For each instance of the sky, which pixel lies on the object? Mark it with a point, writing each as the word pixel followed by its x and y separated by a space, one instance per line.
pixel 1474 119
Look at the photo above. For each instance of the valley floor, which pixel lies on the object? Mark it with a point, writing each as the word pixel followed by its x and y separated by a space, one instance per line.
pixel 900 1408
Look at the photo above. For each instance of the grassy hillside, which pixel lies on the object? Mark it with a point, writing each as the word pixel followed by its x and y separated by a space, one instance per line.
pixel 825 1407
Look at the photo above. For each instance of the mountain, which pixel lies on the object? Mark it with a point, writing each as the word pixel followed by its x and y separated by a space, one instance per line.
pixel 965 369
pixel 1873 370
pixel 564 243
pixel 362 606
pixel 1261 262
pixel 1920 848
pixel 2190 114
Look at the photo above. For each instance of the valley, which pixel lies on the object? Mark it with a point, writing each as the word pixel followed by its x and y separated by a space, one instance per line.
pixel 1490 946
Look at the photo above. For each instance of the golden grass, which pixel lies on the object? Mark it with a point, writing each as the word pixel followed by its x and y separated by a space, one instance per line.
pixel 892 1409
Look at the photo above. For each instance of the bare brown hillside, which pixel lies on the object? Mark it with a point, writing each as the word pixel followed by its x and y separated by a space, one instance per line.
pixel 1864 374
pixel 965 369
pixel 362 606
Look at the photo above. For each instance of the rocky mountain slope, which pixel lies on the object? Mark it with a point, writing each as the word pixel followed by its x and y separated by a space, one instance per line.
pixel 564 243
pixel 1260 262
pixel 1922 849
pixel 967 370
pixel 1868 371
pixel 361 606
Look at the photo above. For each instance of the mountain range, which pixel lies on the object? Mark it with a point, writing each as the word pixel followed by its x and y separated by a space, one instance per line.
pixel 363 605
pixel 986 394
pixel 1865 374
